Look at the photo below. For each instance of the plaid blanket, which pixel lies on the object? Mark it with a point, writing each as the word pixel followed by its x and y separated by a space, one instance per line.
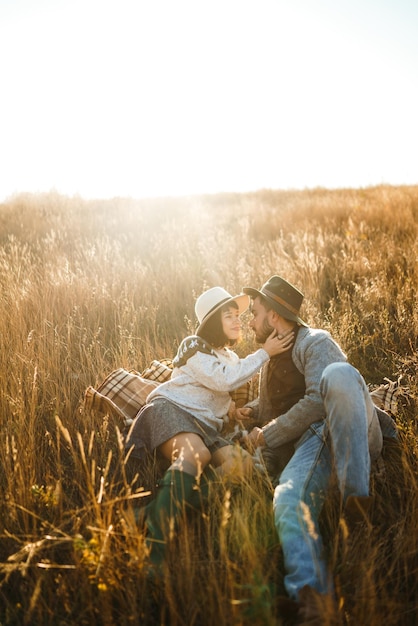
pixel 386 396
pixel 120 395
pixel 159 371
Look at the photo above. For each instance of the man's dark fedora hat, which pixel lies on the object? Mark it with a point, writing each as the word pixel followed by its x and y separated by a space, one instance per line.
pixel 283 297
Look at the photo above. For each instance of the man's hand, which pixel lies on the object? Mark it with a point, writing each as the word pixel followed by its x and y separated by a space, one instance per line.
pixel 255 439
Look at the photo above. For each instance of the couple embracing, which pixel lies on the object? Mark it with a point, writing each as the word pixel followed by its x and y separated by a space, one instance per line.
pixel 317 420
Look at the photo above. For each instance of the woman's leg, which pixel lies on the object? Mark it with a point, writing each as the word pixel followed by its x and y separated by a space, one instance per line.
pixel 186 452
pixel 232 461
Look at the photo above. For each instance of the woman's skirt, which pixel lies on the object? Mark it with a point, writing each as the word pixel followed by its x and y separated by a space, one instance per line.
pixel 161 420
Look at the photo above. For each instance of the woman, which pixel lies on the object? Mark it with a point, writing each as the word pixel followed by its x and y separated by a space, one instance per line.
pixel 184 417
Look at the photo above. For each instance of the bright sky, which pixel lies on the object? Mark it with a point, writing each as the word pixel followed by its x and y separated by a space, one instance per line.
pixel 104 98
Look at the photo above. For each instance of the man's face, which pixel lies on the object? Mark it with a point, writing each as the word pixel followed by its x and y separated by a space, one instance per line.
pixel 259 322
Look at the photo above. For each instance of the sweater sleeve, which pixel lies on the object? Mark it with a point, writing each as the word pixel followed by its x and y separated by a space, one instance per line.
pixel 311 357
pixel 212 373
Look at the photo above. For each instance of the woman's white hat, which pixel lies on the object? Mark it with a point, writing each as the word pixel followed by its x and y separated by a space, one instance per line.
pixel 213 299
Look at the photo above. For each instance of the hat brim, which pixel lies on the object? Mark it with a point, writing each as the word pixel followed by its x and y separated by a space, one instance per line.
pixel 281 310
pixel 242 300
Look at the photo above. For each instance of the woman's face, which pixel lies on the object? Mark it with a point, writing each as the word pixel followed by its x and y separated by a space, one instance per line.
pixel 231 323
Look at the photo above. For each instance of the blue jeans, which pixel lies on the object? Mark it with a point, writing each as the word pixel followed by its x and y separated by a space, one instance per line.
pixel 345 442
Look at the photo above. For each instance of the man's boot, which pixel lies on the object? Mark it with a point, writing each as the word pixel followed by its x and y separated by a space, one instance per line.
pixel 316 609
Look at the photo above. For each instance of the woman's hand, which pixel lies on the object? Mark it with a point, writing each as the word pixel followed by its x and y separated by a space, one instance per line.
pixel 277 343
pixel 244 413
pixel 236 415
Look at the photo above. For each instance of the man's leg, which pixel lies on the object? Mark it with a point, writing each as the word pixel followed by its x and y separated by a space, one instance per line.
pixel 298 500
pixel 353 427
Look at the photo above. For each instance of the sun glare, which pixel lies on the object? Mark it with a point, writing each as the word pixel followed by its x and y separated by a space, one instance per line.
pixel 140 98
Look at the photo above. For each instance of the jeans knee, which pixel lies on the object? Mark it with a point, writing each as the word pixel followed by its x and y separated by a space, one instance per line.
pixel 338 376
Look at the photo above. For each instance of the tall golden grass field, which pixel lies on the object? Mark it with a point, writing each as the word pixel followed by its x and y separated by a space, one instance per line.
pixel 91 286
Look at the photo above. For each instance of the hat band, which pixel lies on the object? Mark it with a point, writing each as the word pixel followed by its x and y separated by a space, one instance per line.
pixel 280 301
pixel 215 307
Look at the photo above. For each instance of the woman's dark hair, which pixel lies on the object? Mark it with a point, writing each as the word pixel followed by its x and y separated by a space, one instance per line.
pixel 212 331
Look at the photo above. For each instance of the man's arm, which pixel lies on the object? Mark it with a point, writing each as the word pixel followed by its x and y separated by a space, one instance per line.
pixel 314 355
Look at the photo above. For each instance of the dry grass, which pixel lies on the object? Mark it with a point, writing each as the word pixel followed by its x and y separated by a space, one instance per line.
pixel 91 286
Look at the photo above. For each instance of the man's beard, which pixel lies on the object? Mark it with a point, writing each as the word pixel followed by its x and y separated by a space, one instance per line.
pixel 264 332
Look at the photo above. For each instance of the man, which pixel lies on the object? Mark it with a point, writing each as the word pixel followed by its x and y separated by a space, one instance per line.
pixel 318 419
